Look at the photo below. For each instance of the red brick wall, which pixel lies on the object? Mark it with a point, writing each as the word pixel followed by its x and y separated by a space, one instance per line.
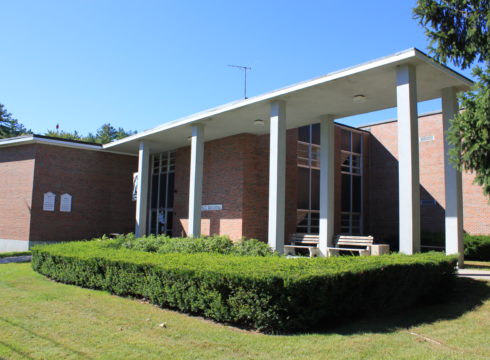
pixel 100 184
pixel 16 180
pixel 383 188
pixel 223 172
pixel 236 175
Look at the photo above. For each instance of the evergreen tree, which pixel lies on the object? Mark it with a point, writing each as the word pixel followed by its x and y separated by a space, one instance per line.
pixel 10 127
pixel 459 33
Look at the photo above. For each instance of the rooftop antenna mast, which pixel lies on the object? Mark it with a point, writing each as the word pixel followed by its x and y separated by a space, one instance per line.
pixel 244 68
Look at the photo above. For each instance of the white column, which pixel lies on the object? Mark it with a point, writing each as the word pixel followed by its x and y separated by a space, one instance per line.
pixel 327 161
pixel 408 160
pixel 195 183
pixel 142 190
pixel 453 183
pixel 277 175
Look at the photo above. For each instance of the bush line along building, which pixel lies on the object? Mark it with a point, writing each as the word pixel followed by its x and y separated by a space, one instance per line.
pixel 264 167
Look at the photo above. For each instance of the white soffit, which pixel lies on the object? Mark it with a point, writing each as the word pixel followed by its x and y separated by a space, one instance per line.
pixel 306 102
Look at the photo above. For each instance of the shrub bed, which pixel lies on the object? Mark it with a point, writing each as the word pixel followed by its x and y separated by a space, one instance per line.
pixel 477 247
pixel 212 244
pixel 271 294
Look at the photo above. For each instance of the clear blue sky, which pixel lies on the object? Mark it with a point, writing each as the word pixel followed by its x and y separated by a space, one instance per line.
pixel 137 64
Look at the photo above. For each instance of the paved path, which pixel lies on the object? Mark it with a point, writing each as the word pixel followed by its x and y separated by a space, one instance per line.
pixel 16 259
pixel 475 274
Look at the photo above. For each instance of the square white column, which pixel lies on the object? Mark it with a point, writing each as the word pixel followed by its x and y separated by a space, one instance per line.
pixel 408 160
pixel 453 183
pixel 142 190
pixel 327 161
pixel 195 181
pixel 277 175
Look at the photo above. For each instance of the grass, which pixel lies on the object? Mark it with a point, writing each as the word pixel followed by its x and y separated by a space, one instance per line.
pixel 42 319
pixel 15 253
pixel 481 265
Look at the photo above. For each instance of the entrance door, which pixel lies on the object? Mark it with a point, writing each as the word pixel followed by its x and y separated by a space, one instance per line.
pixel 162 193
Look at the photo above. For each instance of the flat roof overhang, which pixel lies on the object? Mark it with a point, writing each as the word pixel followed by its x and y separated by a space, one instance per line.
pixel 306 102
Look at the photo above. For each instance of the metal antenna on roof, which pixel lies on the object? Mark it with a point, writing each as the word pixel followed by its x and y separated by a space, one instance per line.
pixel 244 68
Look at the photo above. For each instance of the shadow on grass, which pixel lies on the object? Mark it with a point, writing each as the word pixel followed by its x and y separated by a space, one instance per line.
pixel 467 295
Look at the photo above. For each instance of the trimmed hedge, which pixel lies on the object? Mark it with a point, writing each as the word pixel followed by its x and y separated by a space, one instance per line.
pixel 271 294
pixel 477 247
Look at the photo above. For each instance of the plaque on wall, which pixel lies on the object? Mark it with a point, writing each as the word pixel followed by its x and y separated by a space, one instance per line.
pixel 49 201
pixel 65 203
pixel 212 207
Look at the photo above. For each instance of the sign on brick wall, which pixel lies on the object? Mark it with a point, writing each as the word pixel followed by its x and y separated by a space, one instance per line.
pixel 49 201
pixel 65 203
pixel 212 207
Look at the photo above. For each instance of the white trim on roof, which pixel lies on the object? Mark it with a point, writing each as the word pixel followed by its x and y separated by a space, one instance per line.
pixel 33 139
pixel 274 95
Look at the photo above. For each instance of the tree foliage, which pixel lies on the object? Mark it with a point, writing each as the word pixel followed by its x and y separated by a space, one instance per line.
pixel 458 31
pixel 105 134
pixel 10 127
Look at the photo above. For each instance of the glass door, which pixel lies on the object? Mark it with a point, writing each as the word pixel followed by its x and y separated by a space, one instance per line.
pixel 162 193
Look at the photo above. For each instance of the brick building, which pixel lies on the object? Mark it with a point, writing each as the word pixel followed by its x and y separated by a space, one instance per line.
pixel 267 167
pixel 34 169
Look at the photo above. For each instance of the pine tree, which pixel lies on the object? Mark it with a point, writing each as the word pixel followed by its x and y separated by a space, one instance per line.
pixel 459 33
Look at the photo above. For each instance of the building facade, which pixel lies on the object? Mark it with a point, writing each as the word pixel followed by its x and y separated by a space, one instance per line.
pixel 36 171
pixel 273 165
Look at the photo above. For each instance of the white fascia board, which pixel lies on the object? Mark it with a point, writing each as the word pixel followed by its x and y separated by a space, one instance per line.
pixel 17 140
pixel 33 139
pixel 443 68
pixel 403 55
pixel 273 95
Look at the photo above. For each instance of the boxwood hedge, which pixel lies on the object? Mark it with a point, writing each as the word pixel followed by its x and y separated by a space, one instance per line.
pixel 477 247
pixel 271 294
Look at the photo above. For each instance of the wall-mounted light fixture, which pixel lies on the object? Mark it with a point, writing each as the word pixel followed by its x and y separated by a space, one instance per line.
pixel 259 122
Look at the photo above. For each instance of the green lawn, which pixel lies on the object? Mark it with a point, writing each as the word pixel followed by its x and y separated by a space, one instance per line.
pixel 42 319
pixel 482 265
pixel 15 253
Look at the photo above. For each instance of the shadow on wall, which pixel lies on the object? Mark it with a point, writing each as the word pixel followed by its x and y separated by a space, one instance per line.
pixel 383 202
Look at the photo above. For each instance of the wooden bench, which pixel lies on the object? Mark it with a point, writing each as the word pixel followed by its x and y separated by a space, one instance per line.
pixel 303 241
pixel 360 244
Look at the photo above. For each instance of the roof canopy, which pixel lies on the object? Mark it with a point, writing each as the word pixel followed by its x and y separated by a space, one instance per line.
pixel 306 102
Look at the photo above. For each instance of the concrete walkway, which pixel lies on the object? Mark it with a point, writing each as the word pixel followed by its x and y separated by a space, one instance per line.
pixel 475 274
pixel 16 259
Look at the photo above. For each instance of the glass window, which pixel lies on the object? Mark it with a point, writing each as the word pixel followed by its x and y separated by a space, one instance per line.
pixel 356 194
pixel 315 189
pixel 346 193
pixel 304 134
pixel 154 191
pixel 303 188
pixel 315 134
pixel 345 138
pixel 356 142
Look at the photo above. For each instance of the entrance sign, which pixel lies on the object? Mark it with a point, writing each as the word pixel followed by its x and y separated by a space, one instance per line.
pixel 65 203
pixel 49 201
pixel 212 207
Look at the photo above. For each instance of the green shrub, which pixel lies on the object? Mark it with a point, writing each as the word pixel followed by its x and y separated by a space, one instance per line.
pixel 477 247
pixel 252 247
pixel 208 244
pixel 272 294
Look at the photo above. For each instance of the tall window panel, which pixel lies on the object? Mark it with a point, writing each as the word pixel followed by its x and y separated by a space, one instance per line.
pixel 162 193
pixel 352 194
pixel 308 161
